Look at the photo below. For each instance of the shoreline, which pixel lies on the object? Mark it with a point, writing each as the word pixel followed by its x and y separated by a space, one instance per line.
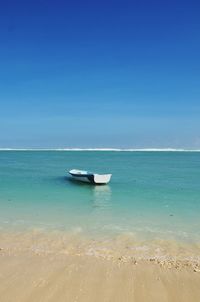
pixel 123 248
pixel 38 266
pixel 34 272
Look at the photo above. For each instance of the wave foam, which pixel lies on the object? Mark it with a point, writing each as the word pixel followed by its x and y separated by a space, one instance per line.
pixel 103 149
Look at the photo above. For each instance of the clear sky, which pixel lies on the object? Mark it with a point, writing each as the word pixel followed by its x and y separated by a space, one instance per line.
pixel 100 74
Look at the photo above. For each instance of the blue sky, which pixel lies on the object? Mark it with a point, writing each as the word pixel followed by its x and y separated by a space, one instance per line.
pixel 100 74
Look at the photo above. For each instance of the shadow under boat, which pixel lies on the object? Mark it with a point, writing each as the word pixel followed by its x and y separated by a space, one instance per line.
pixel 78 182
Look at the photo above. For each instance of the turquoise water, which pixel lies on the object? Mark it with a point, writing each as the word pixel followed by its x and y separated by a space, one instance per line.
pixel 151 194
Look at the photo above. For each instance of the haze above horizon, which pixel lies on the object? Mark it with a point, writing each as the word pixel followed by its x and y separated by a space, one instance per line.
pixel 100 74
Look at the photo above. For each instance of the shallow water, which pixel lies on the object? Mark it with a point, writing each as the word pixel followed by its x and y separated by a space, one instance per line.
pixel 152 195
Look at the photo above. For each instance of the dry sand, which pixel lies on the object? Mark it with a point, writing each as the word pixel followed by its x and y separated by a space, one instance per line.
pixel 38 268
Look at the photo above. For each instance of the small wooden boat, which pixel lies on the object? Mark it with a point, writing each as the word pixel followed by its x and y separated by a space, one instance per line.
pixel 90 177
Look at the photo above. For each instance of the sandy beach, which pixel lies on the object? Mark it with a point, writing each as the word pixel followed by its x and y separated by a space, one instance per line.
pixel 37 267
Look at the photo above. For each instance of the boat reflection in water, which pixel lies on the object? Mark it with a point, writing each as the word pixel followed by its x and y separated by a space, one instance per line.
pixel 102 218
pixel 102 197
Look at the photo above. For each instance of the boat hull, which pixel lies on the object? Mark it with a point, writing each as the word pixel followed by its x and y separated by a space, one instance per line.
pixel 88 179
pixel 100 179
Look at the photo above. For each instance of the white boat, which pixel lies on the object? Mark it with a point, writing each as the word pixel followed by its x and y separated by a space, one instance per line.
pixel 90 177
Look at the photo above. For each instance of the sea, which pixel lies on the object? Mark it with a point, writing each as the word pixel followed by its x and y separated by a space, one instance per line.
pixel 152 195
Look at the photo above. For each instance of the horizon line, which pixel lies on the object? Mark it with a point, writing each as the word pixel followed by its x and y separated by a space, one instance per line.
pixel 104 149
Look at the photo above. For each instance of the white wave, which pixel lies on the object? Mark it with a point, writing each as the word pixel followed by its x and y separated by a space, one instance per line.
pixel 103 149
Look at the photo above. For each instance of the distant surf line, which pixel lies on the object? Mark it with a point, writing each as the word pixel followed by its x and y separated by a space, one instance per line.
pixel 103 149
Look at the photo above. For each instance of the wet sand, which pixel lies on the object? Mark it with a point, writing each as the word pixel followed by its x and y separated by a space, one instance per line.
pixel 36 267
